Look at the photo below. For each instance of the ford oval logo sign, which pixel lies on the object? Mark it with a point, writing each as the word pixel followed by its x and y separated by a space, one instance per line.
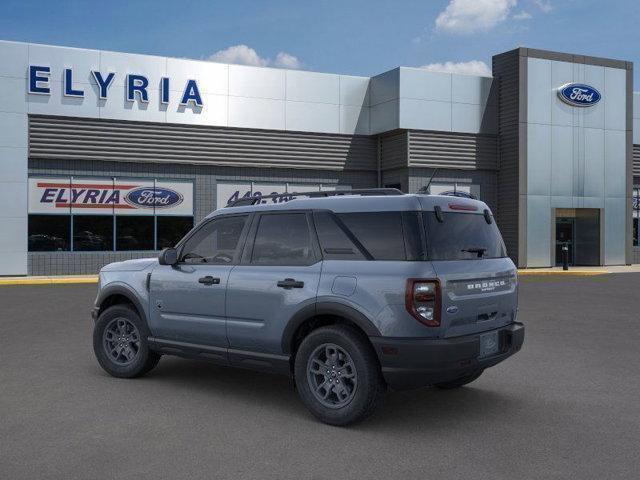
pixel 579 95
pixel 149 197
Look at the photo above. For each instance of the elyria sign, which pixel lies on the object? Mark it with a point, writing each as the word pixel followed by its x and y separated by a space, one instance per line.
pixel 104 196
pixel 137 86
pixel 579 95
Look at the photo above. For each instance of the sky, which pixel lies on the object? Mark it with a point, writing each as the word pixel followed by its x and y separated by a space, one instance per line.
pixel 358 37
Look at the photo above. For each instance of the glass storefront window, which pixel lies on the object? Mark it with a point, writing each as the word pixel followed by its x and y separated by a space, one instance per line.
pixel 134 233
pixel 49 233
pixel 172 229
pixel 92 233
pixel 107 214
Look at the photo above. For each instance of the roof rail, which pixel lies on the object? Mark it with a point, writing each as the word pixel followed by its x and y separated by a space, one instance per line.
pixel 242 202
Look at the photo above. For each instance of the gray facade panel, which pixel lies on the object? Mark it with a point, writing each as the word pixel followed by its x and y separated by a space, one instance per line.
pixel 398 176
pixel 394 150
pixel 453 150
pixel 506 70
pixel 58 138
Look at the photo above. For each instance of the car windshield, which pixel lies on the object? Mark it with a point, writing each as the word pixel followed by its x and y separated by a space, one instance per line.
pixel 462 236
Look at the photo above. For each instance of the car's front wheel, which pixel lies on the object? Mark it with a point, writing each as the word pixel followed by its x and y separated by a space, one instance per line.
pixel 120 343
pixel 337 375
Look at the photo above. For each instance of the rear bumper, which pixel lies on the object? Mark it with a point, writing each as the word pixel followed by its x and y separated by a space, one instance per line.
pixel 411 363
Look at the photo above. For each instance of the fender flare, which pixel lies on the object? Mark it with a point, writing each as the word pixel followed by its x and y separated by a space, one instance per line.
pixel 125 291
pixel 326 308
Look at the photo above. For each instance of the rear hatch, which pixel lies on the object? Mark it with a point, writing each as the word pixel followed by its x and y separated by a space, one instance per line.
pixel 477 280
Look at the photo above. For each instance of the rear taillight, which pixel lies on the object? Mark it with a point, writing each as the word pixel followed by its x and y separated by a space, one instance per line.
pixel 422 299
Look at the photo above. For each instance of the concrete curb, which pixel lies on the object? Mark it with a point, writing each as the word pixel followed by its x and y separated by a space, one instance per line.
pixel 48 280
pixel 579 273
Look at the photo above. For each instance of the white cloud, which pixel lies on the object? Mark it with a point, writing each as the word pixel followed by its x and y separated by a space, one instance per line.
pixel 286 60
pixel 240 54
pixel 473 67
pixel 523 15
pixel 244 55
pixel 543 5
pixel 468 16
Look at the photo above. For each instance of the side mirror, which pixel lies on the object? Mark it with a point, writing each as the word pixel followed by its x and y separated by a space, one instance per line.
pixel 168 256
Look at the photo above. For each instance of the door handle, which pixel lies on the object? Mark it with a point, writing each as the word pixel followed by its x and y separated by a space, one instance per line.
pixel 289 283
pixel 209 280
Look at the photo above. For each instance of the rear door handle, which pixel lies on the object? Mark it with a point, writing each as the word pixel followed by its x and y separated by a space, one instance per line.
pixel 289 283
pixel 209 280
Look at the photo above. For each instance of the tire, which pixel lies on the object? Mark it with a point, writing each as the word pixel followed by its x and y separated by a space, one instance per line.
pixel 354 390
pixel 131 358
pixel 459 382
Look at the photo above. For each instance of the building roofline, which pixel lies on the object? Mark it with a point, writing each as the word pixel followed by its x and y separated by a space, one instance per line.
pixel 571 57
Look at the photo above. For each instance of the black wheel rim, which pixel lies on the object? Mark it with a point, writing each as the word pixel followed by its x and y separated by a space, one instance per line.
pixel 121 341
pixel 332 376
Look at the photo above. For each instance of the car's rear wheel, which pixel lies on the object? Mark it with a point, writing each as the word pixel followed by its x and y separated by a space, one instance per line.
pixel 460 381
pixel 338 376
pixel 120 343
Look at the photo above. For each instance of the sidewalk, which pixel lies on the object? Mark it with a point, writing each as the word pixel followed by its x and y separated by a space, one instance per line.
pixel 578 271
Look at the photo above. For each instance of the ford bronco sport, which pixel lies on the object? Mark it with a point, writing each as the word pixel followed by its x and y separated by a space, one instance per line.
pixel 349 295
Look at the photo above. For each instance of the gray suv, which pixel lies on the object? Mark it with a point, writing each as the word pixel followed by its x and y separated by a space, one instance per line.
pixel 349 293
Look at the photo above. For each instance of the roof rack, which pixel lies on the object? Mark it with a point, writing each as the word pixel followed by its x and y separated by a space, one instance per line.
pixel 242 202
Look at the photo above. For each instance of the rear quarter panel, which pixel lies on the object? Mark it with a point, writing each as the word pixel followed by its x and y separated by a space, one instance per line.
pixel 377 290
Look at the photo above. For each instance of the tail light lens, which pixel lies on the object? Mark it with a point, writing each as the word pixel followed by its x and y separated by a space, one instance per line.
pixel 422 299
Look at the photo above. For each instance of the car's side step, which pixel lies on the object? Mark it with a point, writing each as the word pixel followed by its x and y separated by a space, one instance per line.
pixel 223 356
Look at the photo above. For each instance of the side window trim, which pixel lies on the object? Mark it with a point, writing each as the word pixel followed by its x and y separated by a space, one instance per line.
pixel 247 253
pixel 205 224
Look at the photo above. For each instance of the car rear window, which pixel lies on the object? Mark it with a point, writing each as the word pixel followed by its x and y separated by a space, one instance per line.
pixel 462 236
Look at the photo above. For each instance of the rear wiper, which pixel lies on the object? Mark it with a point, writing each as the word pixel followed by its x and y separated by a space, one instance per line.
pixel 479 250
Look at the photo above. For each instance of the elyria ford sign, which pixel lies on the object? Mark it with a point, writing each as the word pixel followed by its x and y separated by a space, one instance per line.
pixel 579 95
pixel 136 86
pixel 107 196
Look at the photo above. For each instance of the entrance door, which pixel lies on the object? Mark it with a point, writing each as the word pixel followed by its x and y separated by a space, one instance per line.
pixel 565 230
pixel 579 229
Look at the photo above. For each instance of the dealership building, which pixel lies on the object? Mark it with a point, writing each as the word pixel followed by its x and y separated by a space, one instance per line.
pixel 107 156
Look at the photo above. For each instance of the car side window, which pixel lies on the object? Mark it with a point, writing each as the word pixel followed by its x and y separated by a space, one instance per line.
pixel 283 239
pixel 381 233
pixel 217 242
pixel 334 241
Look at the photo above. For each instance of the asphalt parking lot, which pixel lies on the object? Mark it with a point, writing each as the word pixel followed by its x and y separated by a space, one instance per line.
pixel 567 406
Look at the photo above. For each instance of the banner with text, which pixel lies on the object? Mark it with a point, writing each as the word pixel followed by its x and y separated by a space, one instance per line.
pixel 231 191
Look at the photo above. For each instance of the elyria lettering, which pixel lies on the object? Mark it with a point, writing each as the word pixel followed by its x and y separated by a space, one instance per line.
pixel 63 197
pixel 137 86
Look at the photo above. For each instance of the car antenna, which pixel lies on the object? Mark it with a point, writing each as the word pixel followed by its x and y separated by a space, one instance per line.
pixel 425 189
